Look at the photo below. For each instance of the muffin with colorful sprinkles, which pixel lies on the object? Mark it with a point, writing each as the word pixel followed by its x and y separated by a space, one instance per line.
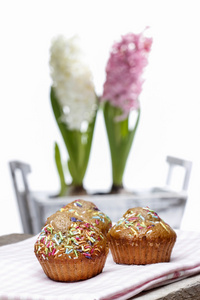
pixel 87 211
pixel 141 237
pixel 71 249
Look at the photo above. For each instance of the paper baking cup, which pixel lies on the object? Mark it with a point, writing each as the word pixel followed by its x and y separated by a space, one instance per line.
pixel 73 269
pixel 141 252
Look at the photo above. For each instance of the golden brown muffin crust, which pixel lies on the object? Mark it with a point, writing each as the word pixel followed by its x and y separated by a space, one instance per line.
pixel 81 210
pixel 142 223
pixel 79 240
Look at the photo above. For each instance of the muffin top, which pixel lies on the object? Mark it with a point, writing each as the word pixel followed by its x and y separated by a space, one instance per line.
pixel 84 210
pixel 139 222
pixel 70 239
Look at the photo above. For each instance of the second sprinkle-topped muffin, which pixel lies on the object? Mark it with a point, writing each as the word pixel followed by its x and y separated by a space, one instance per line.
pixel 87 211
pixel 141 237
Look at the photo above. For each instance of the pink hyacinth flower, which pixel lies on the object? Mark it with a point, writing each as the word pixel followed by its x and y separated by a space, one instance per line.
pixel 124 70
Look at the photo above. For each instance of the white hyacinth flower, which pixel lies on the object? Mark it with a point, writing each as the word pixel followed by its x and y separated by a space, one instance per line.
pixel 72 81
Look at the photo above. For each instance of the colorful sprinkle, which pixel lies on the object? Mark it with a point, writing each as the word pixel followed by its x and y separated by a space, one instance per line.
pixel 73 219
pixel 79 204
pixel 163 225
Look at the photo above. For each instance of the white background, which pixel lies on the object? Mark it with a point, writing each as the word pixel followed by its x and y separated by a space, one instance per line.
pixel 170 119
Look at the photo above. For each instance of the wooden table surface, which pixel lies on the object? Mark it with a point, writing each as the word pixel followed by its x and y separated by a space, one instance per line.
pixel 188 288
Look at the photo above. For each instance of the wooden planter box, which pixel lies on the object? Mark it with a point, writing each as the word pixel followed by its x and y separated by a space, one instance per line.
pixel 168 204
pixel 34 208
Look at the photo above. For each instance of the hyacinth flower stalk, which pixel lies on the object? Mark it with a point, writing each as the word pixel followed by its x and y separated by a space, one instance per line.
pixel 75 106
pixel 120 98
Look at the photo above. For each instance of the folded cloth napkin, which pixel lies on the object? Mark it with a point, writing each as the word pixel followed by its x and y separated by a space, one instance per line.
pixel 21 276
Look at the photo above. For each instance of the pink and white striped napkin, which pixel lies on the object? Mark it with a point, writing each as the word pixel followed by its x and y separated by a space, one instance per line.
pixel 21 276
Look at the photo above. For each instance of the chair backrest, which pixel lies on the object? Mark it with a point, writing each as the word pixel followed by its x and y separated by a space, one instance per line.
pixel 187 165
pixel 22 191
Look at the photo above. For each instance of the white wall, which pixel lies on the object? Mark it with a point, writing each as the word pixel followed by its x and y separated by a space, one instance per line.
pixel 170 99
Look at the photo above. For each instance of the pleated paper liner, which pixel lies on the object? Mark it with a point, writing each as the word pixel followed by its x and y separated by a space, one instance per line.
pixel 141 252
pixel 71 270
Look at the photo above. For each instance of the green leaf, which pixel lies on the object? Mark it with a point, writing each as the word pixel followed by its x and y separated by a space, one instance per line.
pixel 120 140
pixel 78 144
pixel 59 166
